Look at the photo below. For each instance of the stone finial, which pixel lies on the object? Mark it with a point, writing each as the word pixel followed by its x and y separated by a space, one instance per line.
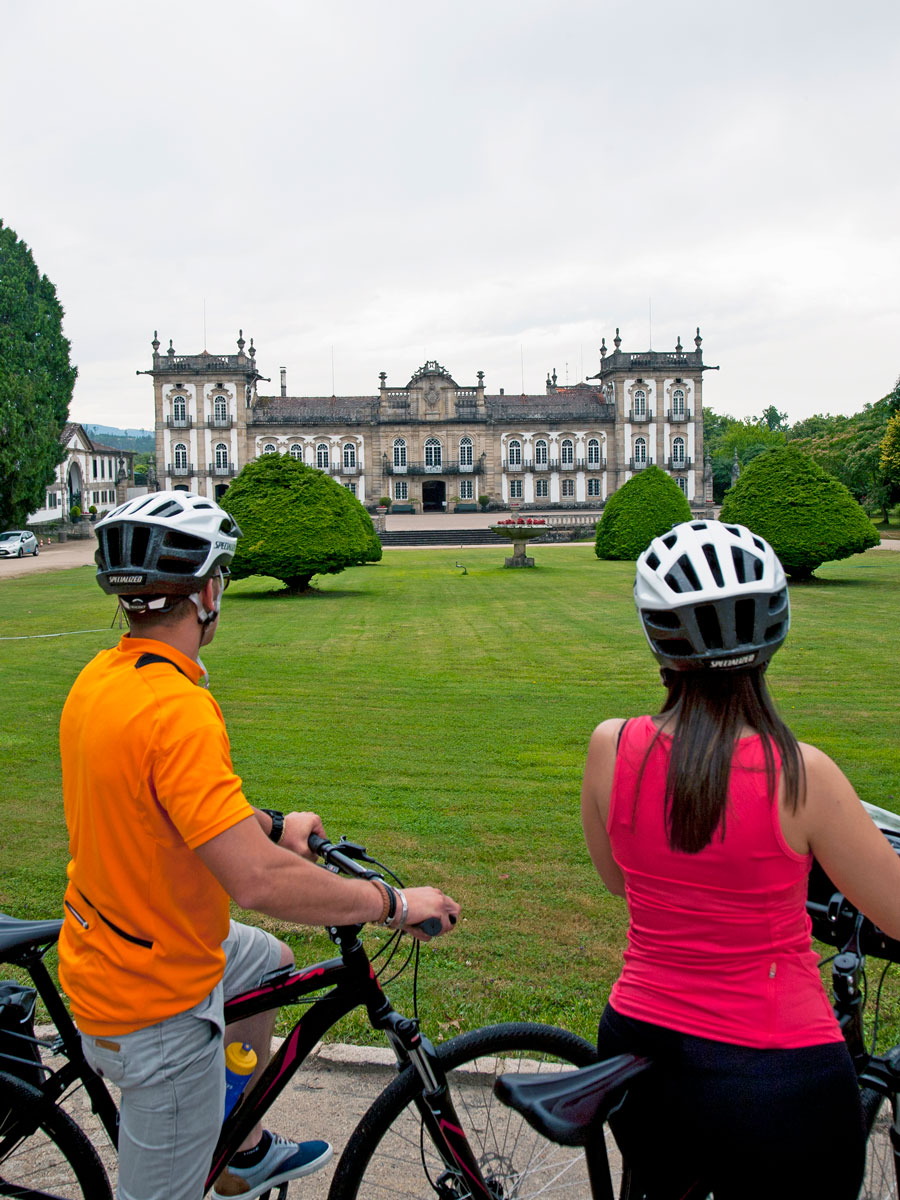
pixel 548 379
pixel 698 339
pixel 617 341
pixel 603 350
pixel 171 349
pixel 382 376
pixel 240 342
pixel 155 342
pixel 678 345
pixel 479 375
pixel 252 350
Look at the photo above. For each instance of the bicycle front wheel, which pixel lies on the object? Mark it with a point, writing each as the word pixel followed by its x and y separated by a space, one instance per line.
pixel 880 1179
pixel 45 1155
pixel 391 1155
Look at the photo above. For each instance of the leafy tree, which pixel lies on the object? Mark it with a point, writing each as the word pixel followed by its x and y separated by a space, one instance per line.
pixel 723 435
pixel 807 516
pixel 890 450
pixel 36 381
pixel 773 420
pixel 650 503
pixel 297 523
pixel 849 448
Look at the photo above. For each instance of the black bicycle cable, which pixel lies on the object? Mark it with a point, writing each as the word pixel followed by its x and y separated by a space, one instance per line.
pixel 887 967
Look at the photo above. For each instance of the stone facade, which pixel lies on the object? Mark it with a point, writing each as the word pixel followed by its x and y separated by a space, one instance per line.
pixel 91 473
pixel 433 444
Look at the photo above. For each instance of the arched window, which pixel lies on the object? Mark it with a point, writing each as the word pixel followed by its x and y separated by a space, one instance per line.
pixel 220 410
pixel 179 410
pixel 568 488
pixel 640 403
pixel 349 455
pixel 567 452
pixel 181 457
pixel 433 455
pixel 269 448
pixel 514 453
pixel 678 452
pixel 322 458
pixel 399 452
pixel 640 450
pixel 297 451
pixel 221 457
pixel 593 452
pixel 540 453
pixel 678 402
pixel 465 452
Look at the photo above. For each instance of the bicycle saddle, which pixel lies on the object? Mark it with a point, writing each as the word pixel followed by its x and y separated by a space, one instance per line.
pixel 567 1107
pixel 25 935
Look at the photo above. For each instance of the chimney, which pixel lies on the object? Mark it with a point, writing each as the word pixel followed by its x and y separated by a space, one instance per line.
pixel 284 381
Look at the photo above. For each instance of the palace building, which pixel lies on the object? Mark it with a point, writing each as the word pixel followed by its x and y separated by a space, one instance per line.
pixel 433 444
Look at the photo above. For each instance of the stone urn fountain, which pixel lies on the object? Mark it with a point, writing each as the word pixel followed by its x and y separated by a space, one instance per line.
pixel 520 531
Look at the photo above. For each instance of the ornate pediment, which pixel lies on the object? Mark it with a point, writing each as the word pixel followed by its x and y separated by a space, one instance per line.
pixel 431 369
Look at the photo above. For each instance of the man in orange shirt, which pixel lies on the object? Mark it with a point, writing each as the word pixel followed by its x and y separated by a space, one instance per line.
pixel 160 836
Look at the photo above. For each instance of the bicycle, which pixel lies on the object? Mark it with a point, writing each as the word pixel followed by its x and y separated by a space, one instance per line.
pixel 434 1130
pixel 573 1108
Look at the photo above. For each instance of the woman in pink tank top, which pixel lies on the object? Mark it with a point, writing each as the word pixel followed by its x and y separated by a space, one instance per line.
pixel 706 818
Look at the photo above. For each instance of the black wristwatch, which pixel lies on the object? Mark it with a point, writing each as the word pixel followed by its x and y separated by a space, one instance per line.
pixel 277 824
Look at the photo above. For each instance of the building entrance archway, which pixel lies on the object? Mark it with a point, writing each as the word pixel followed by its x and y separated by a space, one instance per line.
pixel 434 495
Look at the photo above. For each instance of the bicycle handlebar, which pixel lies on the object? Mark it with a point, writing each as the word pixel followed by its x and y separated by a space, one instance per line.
pixel 347 864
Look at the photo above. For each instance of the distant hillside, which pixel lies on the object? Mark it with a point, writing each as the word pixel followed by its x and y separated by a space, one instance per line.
pixel 141 441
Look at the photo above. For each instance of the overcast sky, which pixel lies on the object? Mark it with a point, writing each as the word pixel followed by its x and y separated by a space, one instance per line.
pixel 494 185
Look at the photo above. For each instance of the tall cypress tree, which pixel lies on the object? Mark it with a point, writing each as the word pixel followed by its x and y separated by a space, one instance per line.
pixel 36 381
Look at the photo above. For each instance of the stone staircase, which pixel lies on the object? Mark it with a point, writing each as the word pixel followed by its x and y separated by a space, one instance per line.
pixel 442 537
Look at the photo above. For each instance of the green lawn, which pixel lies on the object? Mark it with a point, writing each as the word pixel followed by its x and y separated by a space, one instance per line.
pixel 443 719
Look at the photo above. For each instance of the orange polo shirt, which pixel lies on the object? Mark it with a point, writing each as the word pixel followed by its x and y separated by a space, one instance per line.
pixel 147 777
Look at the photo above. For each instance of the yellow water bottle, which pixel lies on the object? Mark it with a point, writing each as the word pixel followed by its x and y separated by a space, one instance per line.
pixel 240 1063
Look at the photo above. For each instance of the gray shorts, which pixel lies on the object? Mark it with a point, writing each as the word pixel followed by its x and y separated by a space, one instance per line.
pixel 172 1080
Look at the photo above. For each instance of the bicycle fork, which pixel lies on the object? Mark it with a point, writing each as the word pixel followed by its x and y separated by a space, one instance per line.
pixel 462 1179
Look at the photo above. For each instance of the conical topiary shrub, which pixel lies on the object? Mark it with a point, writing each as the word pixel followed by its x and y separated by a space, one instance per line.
pixel 650 503
pixel 805 514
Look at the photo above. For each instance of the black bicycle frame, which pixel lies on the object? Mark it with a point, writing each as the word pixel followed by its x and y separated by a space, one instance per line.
pixel 352 982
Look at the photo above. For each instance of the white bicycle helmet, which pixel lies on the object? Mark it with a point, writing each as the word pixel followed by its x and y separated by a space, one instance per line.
pixel 711 595
pixel 163 544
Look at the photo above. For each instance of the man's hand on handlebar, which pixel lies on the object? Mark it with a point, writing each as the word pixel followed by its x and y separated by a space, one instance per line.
pixel 297 828
pixel 427 903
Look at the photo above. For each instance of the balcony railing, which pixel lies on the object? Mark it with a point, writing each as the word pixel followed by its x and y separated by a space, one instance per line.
pixel 179 422
pixel 221 469
pixel 641 417
pixel 598 464
pixel 448 467
pixel 681 417
pixel 179 469
pixel 638 464
pixel 679 464
pixel 219 422
pixel 337 468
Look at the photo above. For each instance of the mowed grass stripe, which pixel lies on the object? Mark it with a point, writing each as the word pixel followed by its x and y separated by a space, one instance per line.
pixel 443 719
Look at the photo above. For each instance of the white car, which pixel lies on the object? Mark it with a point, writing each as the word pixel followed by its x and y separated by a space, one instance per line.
pixel 16 542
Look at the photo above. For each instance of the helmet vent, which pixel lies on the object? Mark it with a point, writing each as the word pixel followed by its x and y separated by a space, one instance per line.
pixel 662 619
pixel 710 629
pixel 652 561
pixel 683 577
pixel 169 509
pixel 747 567
pixel 733 529
pixel 759 544
pixel 712 559
pixel 140 540
pixel 699 525
pixel 777 601
pixel 669 540
pixel 113 536
pixel 744 615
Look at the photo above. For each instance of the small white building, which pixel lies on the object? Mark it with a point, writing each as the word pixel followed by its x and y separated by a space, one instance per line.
pixel 90 474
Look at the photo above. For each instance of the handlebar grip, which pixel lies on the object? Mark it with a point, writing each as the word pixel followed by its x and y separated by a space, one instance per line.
pixel 316 843
pixel 431 926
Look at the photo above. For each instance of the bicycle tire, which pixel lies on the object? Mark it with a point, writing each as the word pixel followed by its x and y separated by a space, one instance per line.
pixel 384 1156
pixel 880 1178
pixel 56 1156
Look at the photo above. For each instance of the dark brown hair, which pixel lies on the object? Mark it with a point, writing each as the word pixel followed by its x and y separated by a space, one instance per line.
pixel 711 709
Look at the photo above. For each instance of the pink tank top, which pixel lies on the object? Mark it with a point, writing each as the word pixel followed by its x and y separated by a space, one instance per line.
pixel 718 942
